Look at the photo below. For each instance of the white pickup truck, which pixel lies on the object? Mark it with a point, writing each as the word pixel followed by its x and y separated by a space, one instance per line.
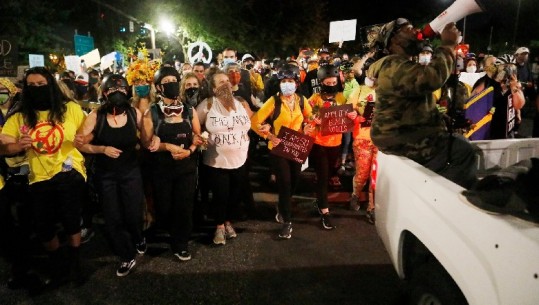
pixel 448 250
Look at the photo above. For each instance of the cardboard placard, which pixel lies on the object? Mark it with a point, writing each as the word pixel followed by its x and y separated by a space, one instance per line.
pixel 344 30
pixel 335 121
pixel 294 145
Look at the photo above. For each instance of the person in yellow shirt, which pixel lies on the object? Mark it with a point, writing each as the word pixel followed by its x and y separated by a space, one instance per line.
pixel 44 129
pixel 363 99
pixel 290 109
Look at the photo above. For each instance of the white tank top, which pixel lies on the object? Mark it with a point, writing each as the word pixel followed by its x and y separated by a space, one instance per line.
pixel 228 142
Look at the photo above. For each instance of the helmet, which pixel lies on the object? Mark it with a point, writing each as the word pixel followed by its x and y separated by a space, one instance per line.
pixel 327 71
pixel 505 59
pixel 346 66
pixel 288 71
pixel 163 72
pixel 113 81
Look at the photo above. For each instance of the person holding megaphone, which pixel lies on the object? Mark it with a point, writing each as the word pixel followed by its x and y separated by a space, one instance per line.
pixel 406 120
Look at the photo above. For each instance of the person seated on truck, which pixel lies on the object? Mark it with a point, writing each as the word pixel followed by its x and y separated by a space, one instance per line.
pixel 406 120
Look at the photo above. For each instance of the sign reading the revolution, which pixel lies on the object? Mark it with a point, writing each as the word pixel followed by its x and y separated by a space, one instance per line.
pixel 294 145
pixel 8 57
pixel 334 120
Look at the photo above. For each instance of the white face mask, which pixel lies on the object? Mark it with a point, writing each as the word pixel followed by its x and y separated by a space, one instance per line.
pixel 288 88
pixel 471 69
pixel 424 59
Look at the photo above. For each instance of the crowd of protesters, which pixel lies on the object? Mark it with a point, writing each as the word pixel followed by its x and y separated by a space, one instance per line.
pixel 152 151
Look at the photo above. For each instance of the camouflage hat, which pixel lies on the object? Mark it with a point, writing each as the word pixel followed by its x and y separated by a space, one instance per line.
pixel 386 31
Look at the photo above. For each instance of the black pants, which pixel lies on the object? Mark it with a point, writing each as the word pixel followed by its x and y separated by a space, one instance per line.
pixel 462 168
pixel 57 199
pixel 287 174
pixel 226 187
pixel 174 198
pixel 122 197
pixel 324 159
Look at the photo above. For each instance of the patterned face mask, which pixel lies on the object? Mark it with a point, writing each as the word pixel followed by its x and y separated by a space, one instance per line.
pixel 224 93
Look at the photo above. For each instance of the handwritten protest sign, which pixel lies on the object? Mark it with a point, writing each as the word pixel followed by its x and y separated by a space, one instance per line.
pixel 334 120
pixel 294 145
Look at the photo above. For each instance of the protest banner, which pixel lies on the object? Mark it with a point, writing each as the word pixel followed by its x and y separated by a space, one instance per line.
pixel 294 145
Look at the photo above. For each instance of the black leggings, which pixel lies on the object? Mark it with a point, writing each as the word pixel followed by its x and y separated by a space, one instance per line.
pixel 323 159
pixel 287 174
pixel 226 187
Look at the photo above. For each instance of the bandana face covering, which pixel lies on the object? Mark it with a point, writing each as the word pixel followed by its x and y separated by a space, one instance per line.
pixel 191 96
pixel 171 110
pixel 224 93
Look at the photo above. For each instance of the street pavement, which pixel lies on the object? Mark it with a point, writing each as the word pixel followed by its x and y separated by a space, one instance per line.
pixel 348 265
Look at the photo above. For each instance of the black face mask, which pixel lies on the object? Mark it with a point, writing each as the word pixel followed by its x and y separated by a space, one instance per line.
pixel 171 90
pixel 39 97
pixel 249 66
pixel 329 89
pixel 118 102
pixel 192 96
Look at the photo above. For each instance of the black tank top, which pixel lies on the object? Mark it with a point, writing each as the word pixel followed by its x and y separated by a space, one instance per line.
pixel 123 138
pixel 177 134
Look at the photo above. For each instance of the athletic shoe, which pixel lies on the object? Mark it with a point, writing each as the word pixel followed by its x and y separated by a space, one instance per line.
pixel 286 231
pixel 370 217
pixel 326 222
pixel 86 234
pixel 230 232
pixel 141 247
pixel 219 237
pixel 125 268
pixel 183 255
pixel 315 203
pixel 341 170
pixel 279 218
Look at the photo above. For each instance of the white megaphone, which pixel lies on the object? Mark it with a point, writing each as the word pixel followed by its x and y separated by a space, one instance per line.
pixel 457 11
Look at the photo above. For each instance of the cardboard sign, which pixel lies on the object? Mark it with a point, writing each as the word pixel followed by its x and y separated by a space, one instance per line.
pixel 91 58
pixel 344 30
pixel 368 114
pixel 36 60
pixel 335 121
pixel 294 145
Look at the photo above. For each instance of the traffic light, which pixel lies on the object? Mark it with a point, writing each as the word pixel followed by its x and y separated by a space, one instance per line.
pixel 123 29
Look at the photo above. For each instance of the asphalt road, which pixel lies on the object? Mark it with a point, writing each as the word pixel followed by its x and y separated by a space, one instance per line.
pixel 348 265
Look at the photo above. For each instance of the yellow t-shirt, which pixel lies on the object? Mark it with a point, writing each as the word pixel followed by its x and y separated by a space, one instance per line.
pixel 2 183
pixel 51 145
pixel 359 98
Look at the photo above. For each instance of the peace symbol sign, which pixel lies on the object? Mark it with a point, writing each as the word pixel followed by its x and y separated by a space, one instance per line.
pixel 196 52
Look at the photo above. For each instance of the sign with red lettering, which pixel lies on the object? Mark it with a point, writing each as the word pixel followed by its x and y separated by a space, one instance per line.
pixel 294 145
pixel 335 121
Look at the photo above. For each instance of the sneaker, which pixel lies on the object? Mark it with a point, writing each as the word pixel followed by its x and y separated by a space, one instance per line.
pixel 219 237
pixel 126 267
pixel 183 255
pixel 142 247
pixel 286 231
pixel 370 216
pixel 341 170
pixel 230 232
pixel 86 234
pixel 354 203
pixel 326 222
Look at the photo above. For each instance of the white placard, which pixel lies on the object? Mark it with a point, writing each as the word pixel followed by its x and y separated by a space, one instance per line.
pixel 470 78
pixel 73 63
pixel 91 58
pixel 36 60
pixel 107 61
pixel 344 30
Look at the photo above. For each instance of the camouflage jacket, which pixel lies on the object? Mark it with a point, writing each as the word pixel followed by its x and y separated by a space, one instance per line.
pixel 406 120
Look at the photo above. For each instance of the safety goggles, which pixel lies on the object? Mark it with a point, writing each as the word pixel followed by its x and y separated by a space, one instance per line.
pixel 287 74
pixel 171 110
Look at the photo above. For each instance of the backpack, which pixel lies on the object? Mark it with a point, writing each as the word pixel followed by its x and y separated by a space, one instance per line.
pixel 158 116
pixel 278 105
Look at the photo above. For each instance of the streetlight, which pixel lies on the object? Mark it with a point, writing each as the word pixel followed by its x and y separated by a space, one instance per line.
pixel 152 34
pixel 167 27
